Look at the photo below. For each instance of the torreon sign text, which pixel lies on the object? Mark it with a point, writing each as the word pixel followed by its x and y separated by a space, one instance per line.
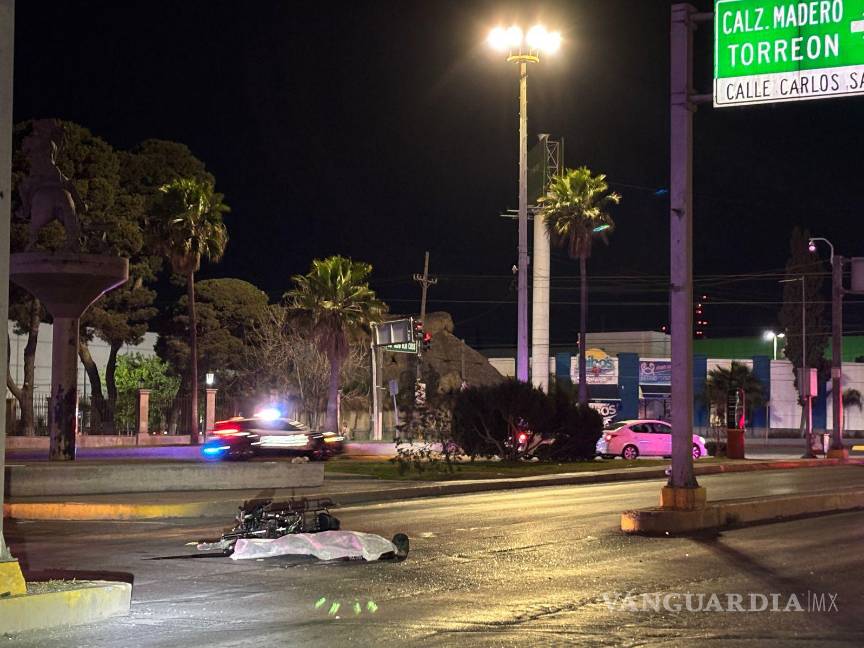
pixel 767 51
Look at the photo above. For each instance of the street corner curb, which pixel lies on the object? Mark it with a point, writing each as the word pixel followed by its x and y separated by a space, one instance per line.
pixel 109 511
pixel 658 521
pixel 11 579
pixel 89 601
pixel 721 514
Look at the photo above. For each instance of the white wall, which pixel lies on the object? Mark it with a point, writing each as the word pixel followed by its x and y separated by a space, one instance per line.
pixel 42 379
pixel 785 411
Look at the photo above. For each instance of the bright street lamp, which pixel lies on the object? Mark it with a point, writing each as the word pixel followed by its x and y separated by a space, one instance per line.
pixel 523 49
pixel 770 336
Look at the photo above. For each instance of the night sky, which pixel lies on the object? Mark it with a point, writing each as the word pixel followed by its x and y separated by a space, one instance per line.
pixel 381 129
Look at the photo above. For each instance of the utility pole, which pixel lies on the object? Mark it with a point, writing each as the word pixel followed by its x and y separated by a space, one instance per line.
pixel 10 572
pixel 425 281
pixel 837 450
pixel 682 491
pixel 805 382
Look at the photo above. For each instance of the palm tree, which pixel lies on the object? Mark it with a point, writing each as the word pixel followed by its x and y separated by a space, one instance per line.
pixel 575 210
pixel 851 398
pixel 335 294
pixel 722 383
pixel 189 228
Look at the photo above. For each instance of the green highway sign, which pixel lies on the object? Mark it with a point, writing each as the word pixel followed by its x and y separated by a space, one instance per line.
pixel 403 347
pixel 767 51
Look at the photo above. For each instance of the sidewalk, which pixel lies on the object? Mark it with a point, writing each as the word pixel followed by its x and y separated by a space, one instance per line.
pixel 343 489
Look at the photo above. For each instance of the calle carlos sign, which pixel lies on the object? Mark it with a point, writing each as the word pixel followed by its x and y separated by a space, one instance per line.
pixel 768 51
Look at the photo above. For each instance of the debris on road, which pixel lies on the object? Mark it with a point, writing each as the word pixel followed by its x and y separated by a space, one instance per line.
pixel 300 526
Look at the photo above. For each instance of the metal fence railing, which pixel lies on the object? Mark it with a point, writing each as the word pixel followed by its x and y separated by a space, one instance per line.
pixel 166 415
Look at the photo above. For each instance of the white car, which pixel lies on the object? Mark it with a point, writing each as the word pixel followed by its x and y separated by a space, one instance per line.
pixel 645 438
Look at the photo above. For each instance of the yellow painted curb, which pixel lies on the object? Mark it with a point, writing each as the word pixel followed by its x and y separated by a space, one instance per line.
pixel 11 579
pixel 89 602
pixel 103 511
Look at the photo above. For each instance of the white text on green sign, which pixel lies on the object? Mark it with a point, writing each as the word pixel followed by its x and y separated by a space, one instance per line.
pixel 767 51
pixel 403 347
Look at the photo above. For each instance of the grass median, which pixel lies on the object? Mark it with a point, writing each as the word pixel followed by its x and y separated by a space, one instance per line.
pixel 487 469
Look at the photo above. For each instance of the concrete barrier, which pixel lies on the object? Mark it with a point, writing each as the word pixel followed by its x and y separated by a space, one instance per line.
pixel 51 479
pixel 86 602
pixel 736 512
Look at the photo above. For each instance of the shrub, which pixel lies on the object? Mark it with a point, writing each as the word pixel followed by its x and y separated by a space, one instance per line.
pixel 575 430
pixel 714 448
pixel 424 442
pixel 485 417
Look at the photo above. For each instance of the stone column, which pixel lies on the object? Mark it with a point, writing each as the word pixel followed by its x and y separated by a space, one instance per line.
pixel 63 425
pixel 210 410
pixel 143 411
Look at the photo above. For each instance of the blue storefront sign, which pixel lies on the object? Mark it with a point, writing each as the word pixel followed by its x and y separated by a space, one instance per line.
pixel 655 372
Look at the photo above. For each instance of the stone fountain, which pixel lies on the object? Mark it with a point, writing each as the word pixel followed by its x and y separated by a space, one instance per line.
pixel 66 282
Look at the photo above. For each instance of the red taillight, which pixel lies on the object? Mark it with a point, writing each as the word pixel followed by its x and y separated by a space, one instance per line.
pixel 227 432
pixel 608 437
pixel 523 438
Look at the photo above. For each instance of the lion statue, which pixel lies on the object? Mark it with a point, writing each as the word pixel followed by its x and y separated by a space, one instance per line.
pixel 46 194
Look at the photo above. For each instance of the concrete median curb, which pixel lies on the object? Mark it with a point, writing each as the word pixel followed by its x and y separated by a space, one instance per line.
pixel 87 602
pixel 112 510
pixel 737 512
pixel 64 479
pixel 22 508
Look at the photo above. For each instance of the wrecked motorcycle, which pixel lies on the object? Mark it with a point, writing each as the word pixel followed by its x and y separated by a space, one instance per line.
pixel 264 528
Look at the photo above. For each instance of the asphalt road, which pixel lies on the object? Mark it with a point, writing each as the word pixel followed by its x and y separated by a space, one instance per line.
pixel 538 567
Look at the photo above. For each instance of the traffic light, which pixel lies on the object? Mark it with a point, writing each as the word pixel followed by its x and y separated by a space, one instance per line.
pixel 418 331
pixel 427 341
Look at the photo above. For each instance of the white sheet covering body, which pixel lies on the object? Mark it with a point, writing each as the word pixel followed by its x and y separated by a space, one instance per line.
pixel 327 545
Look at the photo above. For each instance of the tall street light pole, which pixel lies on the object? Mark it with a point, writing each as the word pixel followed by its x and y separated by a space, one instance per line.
pixel 837 450
pixel 524 49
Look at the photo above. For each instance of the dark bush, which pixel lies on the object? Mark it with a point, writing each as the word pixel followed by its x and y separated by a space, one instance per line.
pixel 484 418
pixel 715 449
pixel 575 430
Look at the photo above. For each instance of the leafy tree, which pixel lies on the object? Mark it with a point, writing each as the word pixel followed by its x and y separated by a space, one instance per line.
pixel 135 371
pixel 112 224
pixel 722 383
pixel 282 355
pixel 575 209
pixel 188 227
pixel 335 296
pixel 803 264
pixel 227 311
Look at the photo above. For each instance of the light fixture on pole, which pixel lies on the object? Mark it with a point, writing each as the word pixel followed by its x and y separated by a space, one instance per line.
pixel 838 449
pixel 771 336
pixel 523 49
